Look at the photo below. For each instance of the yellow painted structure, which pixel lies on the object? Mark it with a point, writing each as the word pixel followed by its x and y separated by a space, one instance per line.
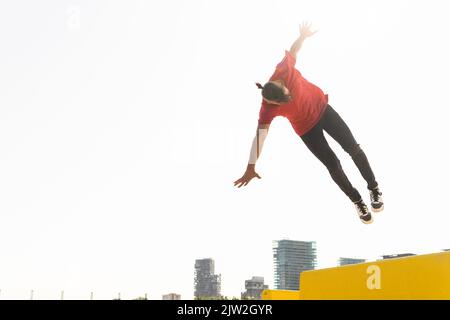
pixel 419 277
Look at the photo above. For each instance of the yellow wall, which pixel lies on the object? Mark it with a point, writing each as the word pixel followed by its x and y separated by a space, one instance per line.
pixel 417 277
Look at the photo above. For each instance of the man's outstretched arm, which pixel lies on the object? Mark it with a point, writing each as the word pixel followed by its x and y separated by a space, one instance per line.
pixel 305 32
pixel 258 142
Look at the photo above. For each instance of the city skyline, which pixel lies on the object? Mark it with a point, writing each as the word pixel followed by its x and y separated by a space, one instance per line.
pixel 207 265
pixel 250 290
pixel 206 268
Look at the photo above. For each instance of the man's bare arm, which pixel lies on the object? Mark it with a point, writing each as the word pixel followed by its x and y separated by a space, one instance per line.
pixel 258 142
pixel 257 145
pixel 305 32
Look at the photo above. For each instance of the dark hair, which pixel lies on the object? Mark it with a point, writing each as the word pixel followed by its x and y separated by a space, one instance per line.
pixel 272 92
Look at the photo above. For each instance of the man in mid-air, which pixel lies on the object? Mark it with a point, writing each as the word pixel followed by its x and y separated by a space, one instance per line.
pixel 305 105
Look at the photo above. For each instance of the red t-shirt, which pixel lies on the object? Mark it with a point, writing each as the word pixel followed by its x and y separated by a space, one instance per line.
pixel 308 101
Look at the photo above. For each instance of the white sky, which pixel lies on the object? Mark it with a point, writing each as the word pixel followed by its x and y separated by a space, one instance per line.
pixel 123 125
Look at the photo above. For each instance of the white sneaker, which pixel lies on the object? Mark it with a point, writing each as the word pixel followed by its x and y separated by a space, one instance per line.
pixel 376 201
pixel 363 212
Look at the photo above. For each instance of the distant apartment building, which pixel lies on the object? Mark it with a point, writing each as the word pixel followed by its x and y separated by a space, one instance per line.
pixel 171 296
pixel 348 261
pixel 400 255
pixel 254 288
pixel 291 258
pixel 206 283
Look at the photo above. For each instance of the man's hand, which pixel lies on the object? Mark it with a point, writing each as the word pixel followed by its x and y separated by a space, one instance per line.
pixel 246 178
pixel 305 30
pixel 258 142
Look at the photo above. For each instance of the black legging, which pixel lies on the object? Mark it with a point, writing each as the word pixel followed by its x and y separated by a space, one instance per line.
pixel 315 140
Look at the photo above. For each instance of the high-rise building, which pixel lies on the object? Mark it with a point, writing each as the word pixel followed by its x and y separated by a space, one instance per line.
pixel 171 296
pixel 290 259
pixel 207 284
pixel 254 288
pixel 348 261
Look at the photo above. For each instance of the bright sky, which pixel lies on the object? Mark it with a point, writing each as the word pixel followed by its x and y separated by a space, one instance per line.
pixel 124 124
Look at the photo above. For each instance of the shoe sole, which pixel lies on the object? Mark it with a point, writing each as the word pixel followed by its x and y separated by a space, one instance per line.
pixel 379 209
pixel 367 222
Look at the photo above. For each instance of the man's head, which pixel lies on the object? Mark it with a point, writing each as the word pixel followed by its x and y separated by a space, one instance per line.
pixel 274 92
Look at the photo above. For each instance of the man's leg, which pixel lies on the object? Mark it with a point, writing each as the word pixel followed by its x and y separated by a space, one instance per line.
pixel 318 145
pixel 335 126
